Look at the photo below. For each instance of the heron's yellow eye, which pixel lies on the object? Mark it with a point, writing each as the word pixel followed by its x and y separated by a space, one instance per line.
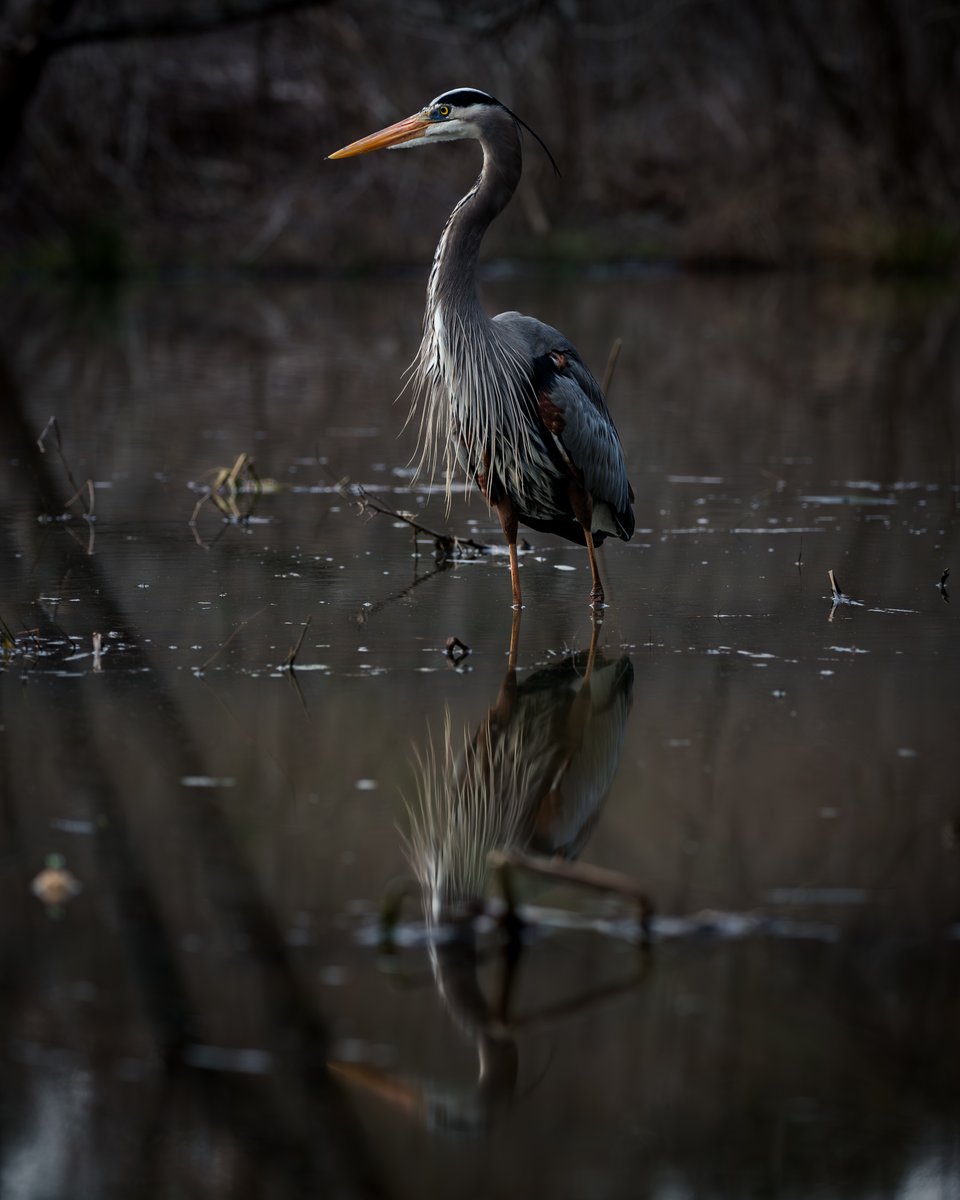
pixel 443 110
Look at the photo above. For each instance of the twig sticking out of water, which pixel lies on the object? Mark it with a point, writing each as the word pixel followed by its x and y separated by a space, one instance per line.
pixel 8 641
pixel 227 484
pixel 53 427
pixel 838 596
pixel 800 556
pixel 30 645
pixel 291 658
pixel 611 366
pixel 449 545
pixel 942 585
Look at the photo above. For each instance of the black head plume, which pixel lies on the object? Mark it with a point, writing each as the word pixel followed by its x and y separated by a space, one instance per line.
pixel 543 144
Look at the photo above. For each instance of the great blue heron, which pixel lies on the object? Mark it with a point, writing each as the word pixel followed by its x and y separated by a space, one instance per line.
pixel 509 399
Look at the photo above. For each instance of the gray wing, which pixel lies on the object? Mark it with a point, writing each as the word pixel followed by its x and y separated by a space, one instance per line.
pixel 588 438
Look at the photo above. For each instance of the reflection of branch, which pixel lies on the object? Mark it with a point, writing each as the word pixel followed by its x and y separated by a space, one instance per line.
pixel 450 545
pixel 185 23
pixel 52 426
pixel 223 645
pixel 367 612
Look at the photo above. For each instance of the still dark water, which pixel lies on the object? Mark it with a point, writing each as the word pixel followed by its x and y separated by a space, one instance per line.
pixel 216 1014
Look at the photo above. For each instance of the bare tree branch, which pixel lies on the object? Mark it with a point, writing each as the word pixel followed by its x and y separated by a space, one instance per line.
pixel 23 60
pixel 183 23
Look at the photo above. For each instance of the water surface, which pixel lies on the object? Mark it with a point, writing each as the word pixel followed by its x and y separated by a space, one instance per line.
pixel 216 1012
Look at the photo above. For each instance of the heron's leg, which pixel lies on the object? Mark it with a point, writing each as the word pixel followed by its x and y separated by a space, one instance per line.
pixel 508 522
pixel 515 574
pixel 596 591
pixel 582 507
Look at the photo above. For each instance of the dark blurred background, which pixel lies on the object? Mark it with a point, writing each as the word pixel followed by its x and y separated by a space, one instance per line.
pixel 748 132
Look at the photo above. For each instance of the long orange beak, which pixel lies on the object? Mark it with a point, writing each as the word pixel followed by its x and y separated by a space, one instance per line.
pixel 404 131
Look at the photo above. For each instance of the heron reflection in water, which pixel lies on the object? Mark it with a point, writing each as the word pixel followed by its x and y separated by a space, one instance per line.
pixel 532 777
pixel 509 400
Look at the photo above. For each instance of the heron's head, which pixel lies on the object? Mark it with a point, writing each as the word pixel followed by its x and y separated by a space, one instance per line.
pixel 452 116
pixel 460 113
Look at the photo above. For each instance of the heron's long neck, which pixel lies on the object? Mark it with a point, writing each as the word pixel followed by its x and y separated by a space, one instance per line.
pixel 452 289
pixel 466 375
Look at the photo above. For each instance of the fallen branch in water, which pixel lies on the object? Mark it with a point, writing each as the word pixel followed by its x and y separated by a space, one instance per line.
pixel 449 545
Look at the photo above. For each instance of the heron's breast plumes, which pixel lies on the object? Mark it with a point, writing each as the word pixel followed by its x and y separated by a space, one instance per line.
pixel 477 409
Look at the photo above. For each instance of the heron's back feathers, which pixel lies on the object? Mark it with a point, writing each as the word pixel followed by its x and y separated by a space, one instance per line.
pixel 574 413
